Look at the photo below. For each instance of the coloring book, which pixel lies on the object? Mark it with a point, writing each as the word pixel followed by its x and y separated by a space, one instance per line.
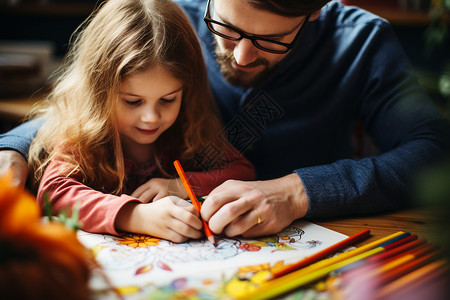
pixel 144 267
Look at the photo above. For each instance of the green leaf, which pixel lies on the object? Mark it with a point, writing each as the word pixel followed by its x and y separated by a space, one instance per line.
pixel 48 207
pixel 63 216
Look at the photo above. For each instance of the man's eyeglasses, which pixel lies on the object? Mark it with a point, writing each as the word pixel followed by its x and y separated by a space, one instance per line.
pixel 230 33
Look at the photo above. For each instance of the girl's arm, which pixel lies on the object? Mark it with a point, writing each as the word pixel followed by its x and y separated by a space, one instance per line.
pixel 99 212
pixel 230 165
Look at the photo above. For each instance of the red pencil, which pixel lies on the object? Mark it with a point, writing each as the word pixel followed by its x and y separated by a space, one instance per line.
pixel 417 252
pixel 321 254
pixel 193 198
pixel 402 245
pixel 380 258
pixel 407 268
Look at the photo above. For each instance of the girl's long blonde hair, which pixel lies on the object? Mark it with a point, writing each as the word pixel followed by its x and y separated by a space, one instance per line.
pixel 120 38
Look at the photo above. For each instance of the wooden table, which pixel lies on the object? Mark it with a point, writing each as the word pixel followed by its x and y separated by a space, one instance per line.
pixel 424 222
pixel 16 108
pixel 13 110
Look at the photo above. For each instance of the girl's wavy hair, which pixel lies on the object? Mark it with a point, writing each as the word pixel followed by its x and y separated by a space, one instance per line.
pixel 121 38
pixel 289 8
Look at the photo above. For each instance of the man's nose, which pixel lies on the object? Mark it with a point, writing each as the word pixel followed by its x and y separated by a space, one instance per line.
pixel 245 52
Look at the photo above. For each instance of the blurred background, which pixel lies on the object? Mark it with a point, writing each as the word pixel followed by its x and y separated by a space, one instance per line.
pixel 34 36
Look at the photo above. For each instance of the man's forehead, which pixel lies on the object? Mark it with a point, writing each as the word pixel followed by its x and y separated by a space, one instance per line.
pixel 241 14
pixel 230 5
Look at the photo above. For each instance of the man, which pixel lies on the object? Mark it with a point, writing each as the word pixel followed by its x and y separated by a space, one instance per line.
pixel 291 79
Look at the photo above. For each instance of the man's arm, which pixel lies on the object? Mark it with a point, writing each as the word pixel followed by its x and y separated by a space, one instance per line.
pixel 14 146
pixel 404 124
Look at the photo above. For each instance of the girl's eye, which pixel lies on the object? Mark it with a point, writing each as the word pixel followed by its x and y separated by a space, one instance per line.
pixel 132 102
pixel 168 100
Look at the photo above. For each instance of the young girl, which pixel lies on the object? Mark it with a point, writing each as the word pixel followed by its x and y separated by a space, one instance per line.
pixel 131 98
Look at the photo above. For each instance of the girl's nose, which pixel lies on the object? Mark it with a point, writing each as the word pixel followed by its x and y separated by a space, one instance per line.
pixel 150 114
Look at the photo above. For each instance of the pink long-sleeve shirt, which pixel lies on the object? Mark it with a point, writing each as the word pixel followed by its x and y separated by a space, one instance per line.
pixel 98 211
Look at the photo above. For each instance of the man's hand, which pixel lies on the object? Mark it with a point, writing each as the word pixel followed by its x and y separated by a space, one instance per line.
pixel 255 208
pixel 13 162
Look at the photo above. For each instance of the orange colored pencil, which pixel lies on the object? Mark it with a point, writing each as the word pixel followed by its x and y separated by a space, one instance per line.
pixel 371 263
pixel 387 247
pixel 407 268
pixel 382 271
pixel 415 279
pixel 321 254
pixel 194 199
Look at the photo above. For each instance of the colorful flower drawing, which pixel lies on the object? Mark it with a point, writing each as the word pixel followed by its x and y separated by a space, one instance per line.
pixel 138 240
pixel 145 267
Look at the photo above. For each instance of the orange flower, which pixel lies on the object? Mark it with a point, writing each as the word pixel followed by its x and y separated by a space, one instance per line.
pixel 18 209
pixel 138 240
pixel 38 260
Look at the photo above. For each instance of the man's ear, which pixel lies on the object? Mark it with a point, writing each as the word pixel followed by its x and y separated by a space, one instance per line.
pixel 314 15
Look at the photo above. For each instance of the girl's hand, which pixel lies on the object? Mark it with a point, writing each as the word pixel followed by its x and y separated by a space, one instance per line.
pixel 170 218
pixel 158 188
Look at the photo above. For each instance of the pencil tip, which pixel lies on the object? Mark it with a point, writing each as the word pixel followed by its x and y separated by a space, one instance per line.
pixel 212 240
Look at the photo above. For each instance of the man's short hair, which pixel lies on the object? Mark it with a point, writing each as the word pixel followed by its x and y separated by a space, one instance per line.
pixel 289 8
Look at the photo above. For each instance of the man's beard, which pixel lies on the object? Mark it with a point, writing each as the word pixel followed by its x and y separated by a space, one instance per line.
pixel 225 59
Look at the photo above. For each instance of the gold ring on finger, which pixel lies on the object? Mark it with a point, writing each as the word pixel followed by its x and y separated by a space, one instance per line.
pixel 258 216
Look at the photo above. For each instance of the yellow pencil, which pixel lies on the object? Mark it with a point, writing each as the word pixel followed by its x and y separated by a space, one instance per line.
pixel 315 271
pixel 345 255
pixel 283 270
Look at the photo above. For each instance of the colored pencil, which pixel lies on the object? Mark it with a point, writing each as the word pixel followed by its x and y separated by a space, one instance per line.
pixel 193 198
pixel 382 272
pixel 345 255
pixel 419 277
pixel 390 251
pixel 321 254
pixel 401 260
pixel 381 244
pixel 363 267
pixel 404 237
pixel 316 271
pixel 408 267
pixel 411 242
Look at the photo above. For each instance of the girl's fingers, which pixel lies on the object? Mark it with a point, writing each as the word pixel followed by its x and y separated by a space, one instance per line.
pixel 188 217
pixel 148 196
pixel 185 230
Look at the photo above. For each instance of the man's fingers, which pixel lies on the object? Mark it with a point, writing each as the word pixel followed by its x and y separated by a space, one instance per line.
pixel 219 197
pixel 231 213
pixel 13 162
